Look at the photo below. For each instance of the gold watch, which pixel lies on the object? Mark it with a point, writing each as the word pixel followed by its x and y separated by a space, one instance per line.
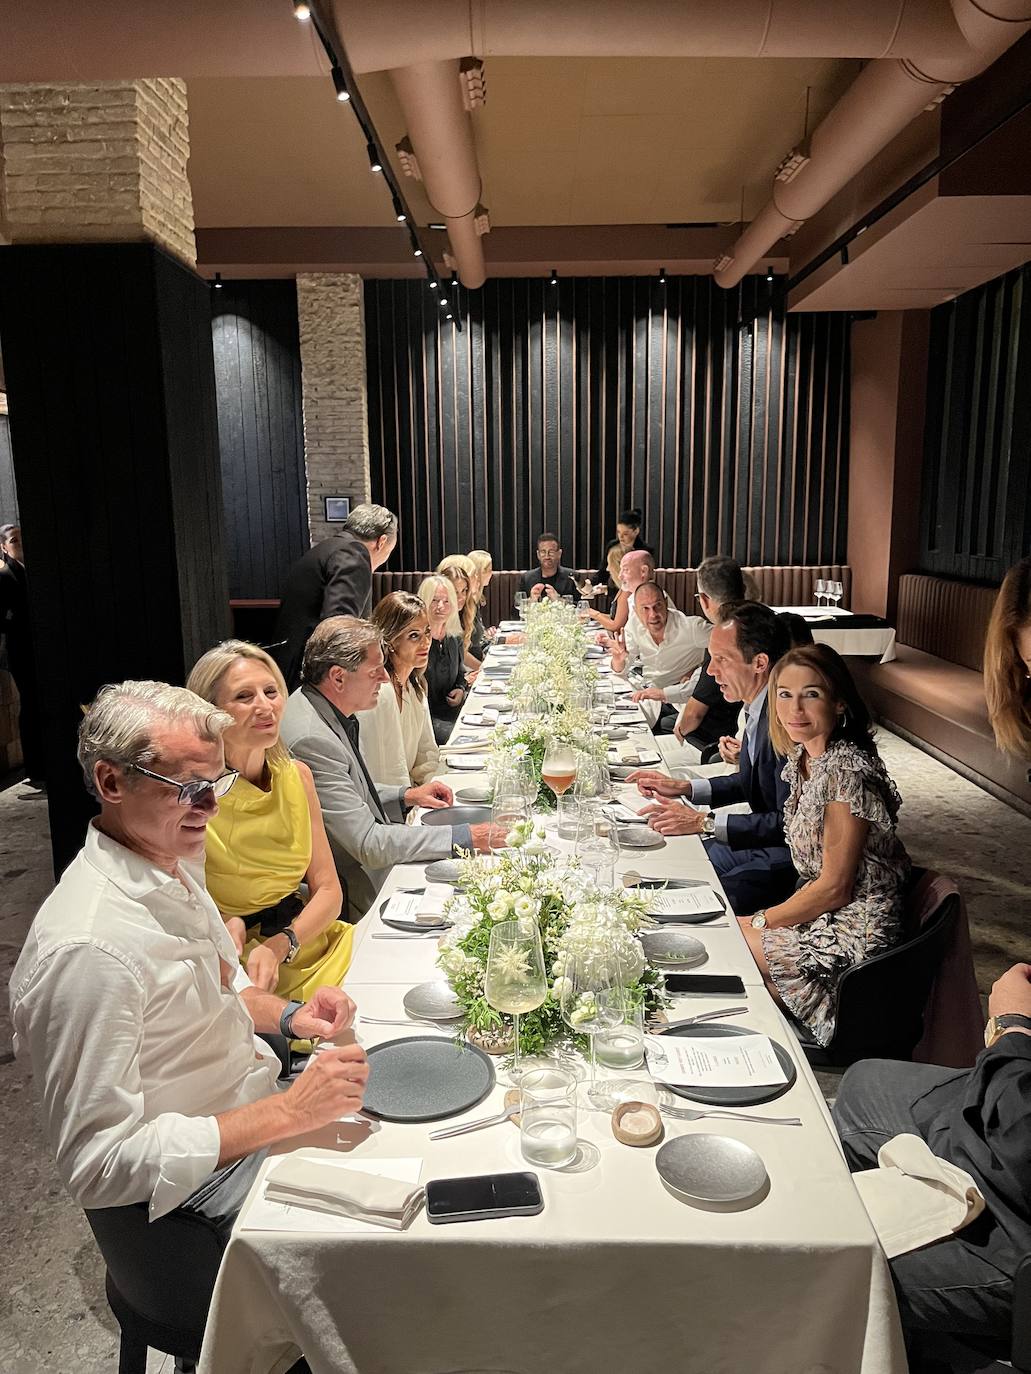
pixel 758 921
pixel 998 1025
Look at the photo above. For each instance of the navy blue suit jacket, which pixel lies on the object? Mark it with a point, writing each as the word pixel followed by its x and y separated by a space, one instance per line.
pixel 760 785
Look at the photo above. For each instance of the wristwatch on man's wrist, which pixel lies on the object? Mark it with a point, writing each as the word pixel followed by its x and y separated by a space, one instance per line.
pixel 998 1025
pixel 709 827
pixel 295 944
pixel 286 1018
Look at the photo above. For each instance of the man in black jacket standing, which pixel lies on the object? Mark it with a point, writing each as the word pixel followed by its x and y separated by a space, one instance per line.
pixel 333 578
pixel 976 1119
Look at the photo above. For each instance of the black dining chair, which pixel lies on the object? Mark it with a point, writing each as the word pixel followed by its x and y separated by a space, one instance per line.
pixel 160 1277
pixel 879 1004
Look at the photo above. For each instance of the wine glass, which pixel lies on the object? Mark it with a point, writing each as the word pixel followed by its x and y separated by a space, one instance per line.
pixel 517 779
pixel 604 700
pixel 559 767
pixel 509 809
pixel 593 782
pixel 821 589
pixel 582 607
pixel 520 604
pixel 591 999
pixel 597 844
pixel 837 592
pixel 515 980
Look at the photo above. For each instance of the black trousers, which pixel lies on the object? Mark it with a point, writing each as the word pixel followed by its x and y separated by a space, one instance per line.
pixel 950 1287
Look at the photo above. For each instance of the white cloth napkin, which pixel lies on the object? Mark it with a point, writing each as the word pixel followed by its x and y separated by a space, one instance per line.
pixel 300 1182
pixel 913 1197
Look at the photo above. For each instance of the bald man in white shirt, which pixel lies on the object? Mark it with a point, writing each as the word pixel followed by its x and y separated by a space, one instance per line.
pixel 128 996
pixel 668 645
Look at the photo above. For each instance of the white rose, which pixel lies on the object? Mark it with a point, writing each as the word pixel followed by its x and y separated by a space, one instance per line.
pixel 524 906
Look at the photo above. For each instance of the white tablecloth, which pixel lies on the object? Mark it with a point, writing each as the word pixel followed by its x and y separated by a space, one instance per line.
pixel 615 1276
pixel 876 641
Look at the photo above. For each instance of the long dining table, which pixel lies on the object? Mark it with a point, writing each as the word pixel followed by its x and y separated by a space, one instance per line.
pixel 617 1273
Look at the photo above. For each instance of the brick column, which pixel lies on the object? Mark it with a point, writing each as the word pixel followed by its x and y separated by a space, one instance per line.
pixel 97 163
pixel 331 315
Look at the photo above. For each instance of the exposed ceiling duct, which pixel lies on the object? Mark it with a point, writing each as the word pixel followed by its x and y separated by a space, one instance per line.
pixel 441 136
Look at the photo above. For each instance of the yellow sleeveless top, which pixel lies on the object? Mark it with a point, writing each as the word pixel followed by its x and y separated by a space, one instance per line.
pixel 259 844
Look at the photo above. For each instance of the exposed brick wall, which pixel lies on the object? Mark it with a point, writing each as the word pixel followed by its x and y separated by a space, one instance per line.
pixel 97 163
pixel 331 315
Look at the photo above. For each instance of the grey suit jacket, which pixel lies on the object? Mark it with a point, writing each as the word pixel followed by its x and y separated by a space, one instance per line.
pixel 364 846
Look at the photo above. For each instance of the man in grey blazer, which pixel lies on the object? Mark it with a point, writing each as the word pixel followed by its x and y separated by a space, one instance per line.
pixel 341 674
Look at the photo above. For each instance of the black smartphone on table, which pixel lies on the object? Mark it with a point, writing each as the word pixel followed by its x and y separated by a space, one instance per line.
pixel 722 984
pixel 483 1195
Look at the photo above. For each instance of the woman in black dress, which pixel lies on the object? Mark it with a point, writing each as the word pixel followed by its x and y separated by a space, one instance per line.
pixel 14 628
pixel 445 671
pixel 628 538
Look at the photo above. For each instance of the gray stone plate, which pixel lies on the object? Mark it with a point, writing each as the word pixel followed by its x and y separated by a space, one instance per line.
pixel 456 815
pixel 729 1097
pixel 637 836
pixel 443 871
pixel 673 949
pixel 425 1078
pixel 432 1001
pixel 712 1169
pixel 477 794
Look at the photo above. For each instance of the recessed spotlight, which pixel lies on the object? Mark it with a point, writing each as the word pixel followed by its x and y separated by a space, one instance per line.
pixel 301 11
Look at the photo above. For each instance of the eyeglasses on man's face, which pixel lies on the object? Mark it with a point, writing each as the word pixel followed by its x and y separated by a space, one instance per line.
pixel 196 790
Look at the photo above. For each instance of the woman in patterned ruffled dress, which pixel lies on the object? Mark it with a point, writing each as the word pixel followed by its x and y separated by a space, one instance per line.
pixel 839 821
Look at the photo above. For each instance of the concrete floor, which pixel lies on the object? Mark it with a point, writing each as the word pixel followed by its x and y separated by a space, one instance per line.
pixel 53 1313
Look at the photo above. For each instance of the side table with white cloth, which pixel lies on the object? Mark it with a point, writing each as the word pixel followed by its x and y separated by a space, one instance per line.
pixel 616 1274
pixel 866 636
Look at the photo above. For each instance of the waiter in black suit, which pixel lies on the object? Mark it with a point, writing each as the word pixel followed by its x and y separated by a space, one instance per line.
pixel 747 851
pixel 333 578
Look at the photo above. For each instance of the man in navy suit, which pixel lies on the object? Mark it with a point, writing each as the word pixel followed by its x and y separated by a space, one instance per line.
pixel 747 851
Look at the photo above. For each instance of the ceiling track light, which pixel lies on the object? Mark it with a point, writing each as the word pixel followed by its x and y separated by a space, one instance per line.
pixel 416 252
pixel 218 281
pixel 399 211
pixel 443 302
pixel 769 273
pixel 434 283
pixel 662 276
pixel 449 316
pixel 374 163
pixel 301 11
pixel 554 277
pixel 339 84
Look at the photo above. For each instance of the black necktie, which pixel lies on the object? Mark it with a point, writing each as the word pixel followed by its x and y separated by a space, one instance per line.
pixel 350 724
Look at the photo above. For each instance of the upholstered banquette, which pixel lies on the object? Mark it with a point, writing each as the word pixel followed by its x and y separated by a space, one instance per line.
pixel 934 691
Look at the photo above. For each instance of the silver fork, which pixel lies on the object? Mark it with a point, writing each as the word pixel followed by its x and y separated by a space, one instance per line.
pixel 506 1115
pixel 693 1114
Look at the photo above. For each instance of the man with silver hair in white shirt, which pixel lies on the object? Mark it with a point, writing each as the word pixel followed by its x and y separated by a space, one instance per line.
pixel 129 998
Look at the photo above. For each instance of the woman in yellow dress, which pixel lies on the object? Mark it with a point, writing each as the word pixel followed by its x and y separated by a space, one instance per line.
pixel 268 836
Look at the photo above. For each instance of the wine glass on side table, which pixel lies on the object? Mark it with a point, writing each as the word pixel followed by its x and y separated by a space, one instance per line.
pixel 515 979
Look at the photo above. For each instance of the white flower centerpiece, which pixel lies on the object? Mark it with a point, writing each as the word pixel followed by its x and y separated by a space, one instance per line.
pixel 550 688
pixel 575 918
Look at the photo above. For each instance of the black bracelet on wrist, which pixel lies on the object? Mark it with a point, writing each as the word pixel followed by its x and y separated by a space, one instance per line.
pixel 286 1018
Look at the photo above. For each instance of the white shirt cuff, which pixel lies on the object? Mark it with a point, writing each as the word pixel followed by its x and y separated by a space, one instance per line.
pixel 189 1146
pixel 701 791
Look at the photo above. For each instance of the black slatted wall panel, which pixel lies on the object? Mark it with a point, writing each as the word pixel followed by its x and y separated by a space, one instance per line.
pixel 8 494
pixel 258 386
pixel 555 407
pixel 976 518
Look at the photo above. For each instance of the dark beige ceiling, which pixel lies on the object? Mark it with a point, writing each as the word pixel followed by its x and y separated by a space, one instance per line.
pixel 560 141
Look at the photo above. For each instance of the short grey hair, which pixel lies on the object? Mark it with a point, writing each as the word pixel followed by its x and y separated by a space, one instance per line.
pixel 342 641
pixel 119 727
pixel 370 522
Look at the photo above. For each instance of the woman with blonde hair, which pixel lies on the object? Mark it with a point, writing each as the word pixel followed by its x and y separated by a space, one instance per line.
pixel 397 734
pixel 1007 662
pixel 268 836
pixel 445 674
pixel 464 575
pixel 840 824
pixel 484 565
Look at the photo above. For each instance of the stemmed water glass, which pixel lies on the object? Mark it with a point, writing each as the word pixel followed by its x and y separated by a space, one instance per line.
pixel 822 587
pixel 509 810
pixel 515 980
pixel 592 999
pixel 520 604
pixel 835 591
pixel 597 844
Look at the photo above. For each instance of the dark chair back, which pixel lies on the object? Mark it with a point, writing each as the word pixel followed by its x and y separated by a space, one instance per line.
pixel 160 1277
pixel 879 1012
